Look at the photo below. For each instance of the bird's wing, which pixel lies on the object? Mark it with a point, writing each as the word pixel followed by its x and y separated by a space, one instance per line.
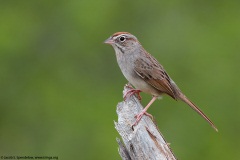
pixel 155 75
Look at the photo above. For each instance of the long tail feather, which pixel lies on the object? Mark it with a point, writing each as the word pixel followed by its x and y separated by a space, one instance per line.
pixel 194 107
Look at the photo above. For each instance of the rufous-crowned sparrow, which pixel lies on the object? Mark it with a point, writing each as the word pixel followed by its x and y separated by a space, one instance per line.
pixel 145 73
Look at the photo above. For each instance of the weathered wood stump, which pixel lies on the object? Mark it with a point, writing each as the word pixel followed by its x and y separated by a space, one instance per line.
pixel 144 141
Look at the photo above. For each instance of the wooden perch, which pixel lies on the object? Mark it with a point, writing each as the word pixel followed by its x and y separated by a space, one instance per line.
pixel 145 142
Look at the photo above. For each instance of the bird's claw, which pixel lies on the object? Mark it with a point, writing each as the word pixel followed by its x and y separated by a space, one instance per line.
pixel 131 92
pixel 139 117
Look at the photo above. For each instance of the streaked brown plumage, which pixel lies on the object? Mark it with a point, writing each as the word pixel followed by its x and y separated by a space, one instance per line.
pixel 145 73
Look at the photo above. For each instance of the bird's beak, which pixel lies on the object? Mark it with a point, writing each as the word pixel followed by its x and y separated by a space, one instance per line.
pixel 109 41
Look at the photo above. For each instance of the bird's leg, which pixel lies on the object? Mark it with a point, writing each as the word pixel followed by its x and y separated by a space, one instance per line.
pixel 144 111
pixel 131 92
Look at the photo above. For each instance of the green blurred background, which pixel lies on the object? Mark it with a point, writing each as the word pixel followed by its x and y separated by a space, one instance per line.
pixel 60 84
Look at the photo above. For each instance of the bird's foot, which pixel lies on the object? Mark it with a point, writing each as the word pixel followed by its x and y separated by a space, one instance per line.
pixel 139 117
pixel 131 92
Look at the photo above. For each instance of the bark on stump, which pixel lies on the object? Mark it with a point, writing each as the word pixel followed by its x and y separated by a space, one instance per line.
pixel 144 141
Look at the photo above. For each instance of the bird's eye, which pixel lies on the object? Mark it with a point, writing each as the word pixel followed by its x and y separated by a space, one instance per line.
pixel 122 38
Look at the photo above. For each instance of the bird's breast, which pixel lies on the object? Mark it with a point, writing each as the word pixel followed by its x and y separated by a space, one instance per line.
pixel 127 67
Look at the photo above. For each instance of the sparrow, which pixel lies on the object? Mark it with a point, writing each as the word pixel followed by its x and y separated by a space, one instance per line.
pixel 145 73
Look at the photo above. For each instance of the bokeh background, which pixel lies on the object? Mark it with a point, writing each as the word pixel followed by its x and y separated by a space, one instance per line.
pixel 59 84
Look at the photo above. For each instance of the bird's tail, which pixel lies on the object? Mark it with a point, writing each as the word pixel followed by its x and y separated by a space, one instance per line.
pixel 194 107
